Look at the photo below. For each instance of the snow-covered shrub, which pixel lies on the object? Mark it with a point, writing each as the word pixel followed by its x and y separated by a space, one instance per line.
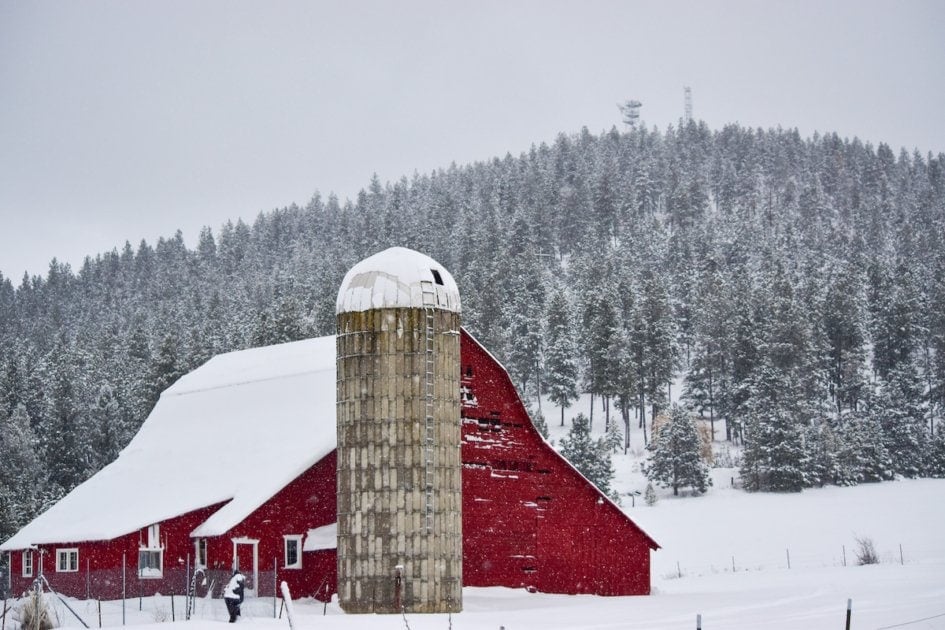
pixel 649 495
pixel 33 613
pixel 866 551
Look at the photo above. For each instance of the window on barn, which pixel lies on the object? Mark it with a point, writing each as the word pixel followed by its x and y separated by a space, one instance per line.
pixel 150 563
pixel 151 555
pixel 293 551
pixel 67 560
pixel 27 563
pixel 200 552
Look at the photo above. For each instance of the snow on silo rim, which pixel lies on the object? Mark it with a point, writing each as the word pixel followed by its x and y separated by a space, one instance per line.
pixel 397 278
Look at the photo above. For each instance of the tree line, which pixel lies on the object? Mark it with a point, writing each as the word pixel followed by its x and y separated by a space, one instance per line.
pixel 797 285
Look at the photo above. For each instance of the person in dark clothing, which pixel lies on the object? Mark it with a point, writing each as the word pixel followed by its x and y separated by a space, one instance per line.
pixel 233 594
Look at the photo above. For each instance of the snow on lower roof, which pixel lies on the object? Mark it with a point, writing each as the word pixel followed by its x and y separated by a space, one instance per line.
pixel 324 537
pixel 236 430
pixel 397 278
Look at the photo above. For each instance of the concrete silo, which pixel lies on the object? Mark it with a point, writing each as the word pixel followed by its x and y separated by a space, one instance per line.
pixel 399 469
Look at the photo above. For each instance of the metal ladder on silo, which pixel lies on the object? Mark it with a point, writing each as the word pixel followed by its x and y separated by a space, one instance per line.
pixel 428 295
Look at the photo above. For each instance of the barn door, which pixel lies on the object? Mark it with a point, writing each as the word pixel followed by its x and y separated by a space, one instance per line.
pixel 246 559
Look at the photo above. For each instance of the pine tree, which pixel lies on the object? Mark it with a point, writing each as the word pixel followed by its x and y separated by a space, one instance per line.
pixel 936 461
pixel 165 367
pixel 904 430
pixel 561 369
pixel 774 457
pixel 591 457
pixel 676 454
pixel 64 427
pixel 110 434
pixel 22 475
pixel 823 456
pixel 649 495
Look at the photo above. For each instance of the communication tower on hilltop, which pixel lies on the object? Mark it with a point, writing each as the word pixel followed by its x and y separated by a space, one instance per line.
pixel 687 92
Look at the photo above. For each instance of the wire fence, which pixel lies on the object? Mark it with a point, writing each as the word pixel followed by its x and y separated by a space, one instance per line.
pixel 109 598
pixel 94 613
pixel 853 554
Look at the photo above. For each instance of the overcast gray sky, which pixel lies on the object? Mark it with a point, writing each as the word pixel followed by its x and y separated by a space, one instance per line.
pixel 126 120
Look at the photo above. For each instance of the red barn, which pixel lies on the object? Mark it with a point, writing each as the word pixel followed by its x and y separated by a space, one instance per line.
pixel 236 466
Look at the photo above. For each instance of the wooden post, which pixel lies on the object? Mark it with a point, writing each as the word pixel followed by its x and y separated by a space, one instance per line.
pixel 172 607
pixel 678 570
pixel 187 588
pixel 844 555
pixel 123 587
pixel 788 553
pixel 849 611
pixel 733 564
pixel 698 622
pixel 902 560
pixel 99 613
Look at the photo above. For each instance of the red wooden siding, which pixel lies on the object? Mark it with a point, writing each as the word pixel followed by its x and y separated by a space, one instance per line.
pixel 529 519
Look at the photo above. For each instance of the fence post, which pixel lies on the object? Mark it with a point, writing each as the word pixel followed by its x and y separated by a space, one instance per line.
pixel 123 587
pixel 678 570
pixel 187 589
pixel 99 613
pixel 733 564
pixel 698 622
pixel 844 555
pixel 902 560
pixel 849 611
pixel 788 553
pixel 287 598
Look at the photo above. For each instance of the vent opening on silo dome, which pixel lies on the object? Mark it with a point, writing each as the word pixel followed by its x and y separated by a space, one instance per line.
pixel 437 278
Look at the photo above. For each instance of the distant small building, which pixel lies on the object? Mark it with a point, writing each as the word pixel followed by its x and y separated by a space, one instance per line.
pixel 237 466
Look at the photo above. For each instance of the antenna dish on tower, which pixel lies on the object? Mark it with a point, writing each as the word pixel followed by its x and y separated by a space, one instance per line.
pixel 631 112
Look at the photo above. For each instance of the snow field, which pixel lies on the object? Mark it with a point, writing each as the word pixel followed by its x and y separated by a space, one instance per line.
pixel 692 573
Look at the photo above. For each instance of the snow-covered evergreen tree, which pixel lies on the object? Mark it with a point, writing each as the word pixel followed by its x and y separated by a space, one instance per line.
pixel 774 457
pixel 936 460
pixel 904 429
pixel 676 454
pixel 590 456
pixel 23 476
pixel 561 367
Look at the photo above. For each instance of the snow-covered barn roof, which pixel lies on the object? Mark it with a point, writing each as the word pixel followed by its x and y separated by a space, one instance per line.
pixel 397 278
pixel 237 429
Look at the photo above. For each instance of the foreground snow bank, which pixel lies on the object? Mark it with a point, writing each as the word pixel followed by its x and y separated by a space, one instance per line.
pixel 883 595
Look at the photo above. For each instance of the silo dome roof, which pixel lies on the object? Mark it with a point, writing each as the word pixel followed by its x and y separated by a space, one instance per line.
pixel 397 278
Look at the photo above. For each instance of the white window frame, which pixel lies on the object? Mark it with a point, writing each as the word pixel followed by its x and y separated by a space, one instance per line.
pixel 26 563
pixel 152 548
pixel 63 565
pixel 151 574
pixel 297 539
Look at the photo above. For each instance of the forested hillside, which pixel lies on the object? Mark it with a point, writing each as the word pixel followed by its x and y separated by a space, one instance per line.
pixel 798 284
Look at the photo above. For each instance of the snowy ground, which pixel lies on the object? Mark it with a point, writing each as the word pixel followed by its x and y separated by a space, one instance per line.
pixel 725 555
